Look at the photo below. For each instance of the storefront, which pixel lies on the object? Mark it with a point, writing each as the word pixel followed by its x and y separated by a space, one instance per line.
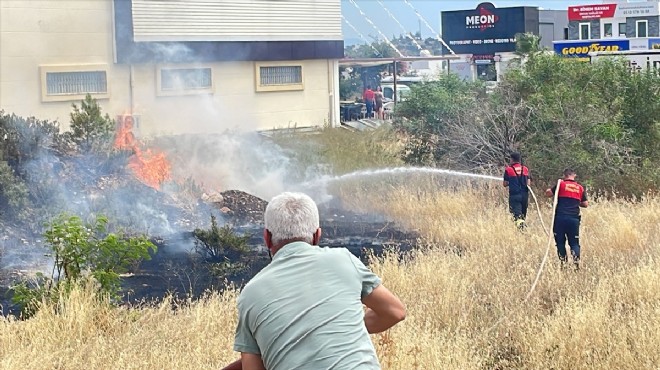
pixel 580 49
pixel 485 38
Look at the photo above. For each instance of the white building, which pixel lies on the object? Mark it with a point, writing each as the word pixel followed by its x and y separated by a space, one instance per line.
pixel 611 26
pixel 178 66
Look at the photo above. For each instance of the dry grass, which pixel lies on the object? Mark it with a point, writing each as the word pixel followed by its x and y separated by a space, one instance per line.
pixel 475 269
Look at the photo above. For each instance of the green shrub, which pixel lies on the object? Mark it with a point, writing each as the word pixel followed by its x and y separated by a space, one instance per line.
pixel 91 130
pixel 221 243
pixel 14 199
pixel 26 139
pixel 557 111
pixel 81 251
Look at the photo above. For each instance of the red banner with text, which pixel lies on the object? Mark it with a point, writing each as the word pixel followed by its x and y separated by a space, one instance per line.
pixel 588 12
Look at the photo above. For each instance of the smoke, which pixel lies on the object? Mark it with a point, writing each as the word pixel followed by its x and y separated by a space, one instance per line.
pixel 221 151
pixel 231 161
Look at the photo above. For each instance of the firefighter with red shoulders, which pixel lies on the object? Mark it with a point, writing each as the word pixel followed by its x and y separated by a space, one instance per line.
pixel 517 179
pixel 571 196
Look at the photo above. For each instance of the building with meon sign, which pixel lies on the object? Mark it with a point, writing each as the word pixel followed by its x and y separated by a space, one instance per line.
pixel 485 37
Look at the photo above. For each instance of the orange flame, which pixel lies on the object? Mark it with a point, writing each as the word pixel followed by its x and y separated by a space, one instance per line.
pixel 151 168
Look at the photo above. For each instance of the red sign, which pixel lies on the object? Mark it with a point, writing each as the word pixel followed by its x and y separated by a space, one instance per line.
pixel 588 12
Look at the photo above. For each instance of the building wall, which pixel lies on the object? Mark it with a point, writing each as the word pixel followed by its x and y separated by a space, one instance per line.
pixel 653 30
pixel 55 33
pixel 73 33
pixel 574 29
pixel 234 103
pixel 552 24
pixel 236 20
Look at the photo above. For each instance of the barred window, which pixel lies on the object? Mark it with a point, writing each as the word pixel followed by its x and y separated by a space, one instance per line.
pixel 76 83
pixel 281 75
pixel 173 79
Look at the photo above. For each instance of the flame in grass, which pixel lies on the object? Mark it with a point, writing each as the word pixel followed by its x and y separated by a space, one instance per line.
pixel 151 168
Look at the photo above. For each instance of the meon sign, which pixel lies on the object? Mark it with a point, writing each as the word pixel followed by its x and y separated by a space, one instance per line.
pixel 486 29
pixel 480 19
pixel 484 20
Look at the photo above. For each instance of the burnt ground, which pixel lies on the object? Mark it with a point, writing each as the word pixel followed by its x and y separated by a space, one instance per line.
pixel 177 269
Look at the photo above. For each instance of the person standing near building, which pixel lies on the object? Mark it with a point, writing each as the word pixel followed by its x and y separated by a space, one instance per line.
pixel 305 309
pixel 378 99
pixel 571 196
pixel 368 98
pixel 517 179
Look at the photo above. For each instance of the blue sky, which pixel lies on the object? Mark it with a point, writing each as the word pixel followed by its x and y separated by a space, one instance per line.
pixel 429 9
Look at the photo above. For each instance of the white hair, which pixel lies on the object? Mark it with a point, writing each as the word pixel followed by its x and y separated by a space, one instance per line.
pixel 291 216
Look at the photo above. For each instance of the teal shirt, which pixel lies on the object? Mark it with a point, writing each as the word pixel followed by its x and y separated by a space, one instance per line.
pixel 304 311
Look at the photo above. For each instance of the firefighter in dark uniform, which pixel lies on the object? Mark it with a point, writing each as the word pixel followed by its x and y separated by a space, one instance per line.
pixel 517 179
pixel 570 197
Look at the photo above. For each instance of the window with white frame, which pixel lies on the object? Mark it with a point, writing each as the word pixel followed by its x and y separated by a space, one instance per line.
pixel 607 30
pixel 276 77
pixel 73 82
pixel 184 80
pixel 585 31
pixel 622 29
pixel 642 28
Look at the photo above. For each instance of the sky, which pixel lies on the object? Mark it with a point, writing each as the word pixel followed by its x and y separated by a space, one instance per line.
pixel 428 9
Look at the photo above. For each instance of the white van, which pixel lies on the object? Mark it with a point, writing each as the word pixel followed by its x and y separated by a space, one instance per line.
pixel 388 92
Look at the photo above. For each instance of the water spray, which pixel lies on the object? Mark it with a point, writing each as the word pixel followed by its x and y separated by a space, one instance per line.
pixel 403 170
pixel 387 40
pixel 419 47
pixel 395 171
pixel 437 35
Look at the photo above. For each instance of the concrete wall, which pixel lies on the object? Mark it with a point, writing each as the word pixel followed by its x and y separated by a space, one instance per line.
pixel 574 29
pixel 72 33
pixel 653 30
pixel 551 26
pixel 64 32
pixel 234 104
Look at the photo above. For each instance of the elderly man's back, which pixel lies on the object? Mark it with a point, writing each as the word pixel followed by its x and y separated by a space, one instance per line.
pixel 304 311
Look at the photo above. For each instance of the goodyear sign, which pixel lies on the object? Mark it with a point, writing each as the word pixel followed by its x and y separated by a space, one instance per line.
pixel 582 49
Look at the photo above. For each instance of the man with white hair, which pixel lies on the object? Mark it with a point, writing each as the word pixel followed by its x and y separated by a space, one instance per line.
pixel 305 309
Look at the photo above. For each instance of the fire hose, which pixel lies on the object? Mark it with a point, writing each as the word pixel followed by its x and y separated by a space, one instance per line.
pixel 547 249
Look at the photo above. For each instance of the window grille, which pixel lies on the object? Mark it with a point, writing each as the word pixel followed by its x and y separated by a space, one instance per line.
pixel 280 75
pixel 76 83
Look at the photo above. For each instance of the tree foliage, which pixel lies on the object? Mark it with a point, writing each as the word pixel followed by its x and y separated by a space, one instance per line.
pixel 34 154
pixel 90 129
pixel 83 250
pixel 221 243
pixel 599 118
pixel 223 248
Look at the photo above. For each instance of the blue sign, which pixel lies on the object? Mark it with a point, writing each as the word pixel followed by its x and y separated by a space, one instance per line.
pixel 581 49
pixel 486 29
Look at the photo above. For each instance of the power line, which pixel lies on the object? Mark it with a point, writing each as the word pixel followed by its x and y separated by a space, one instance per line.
pixel 378 53
pixel 437 35
pixel 376 28
pixel 419 47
